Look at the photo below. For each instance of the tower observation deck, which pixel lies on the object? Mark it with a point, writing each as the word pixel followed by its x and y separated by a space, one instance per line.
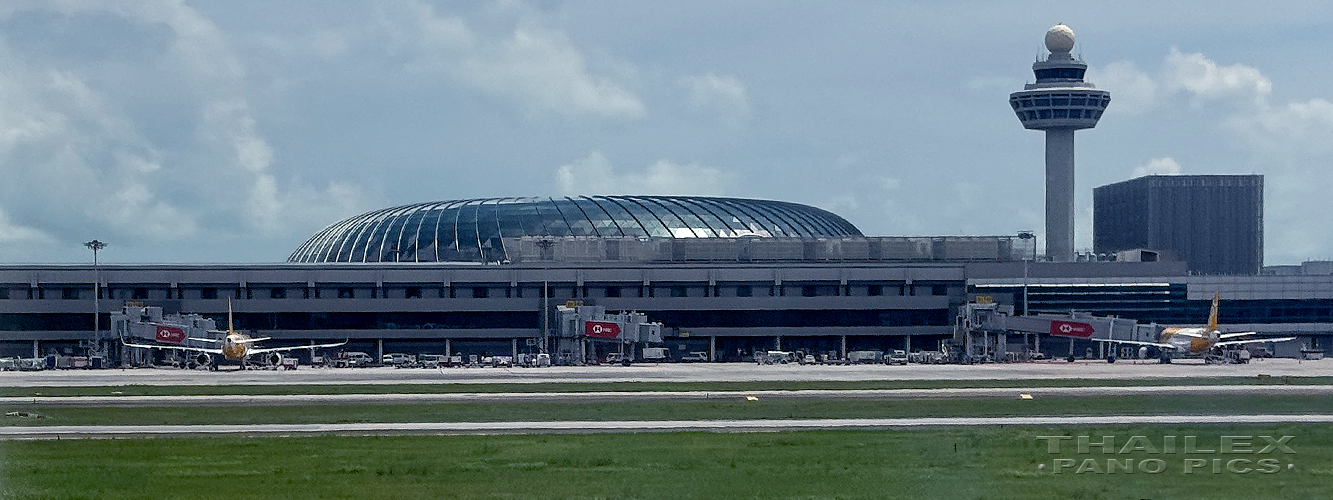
pixel 1060 102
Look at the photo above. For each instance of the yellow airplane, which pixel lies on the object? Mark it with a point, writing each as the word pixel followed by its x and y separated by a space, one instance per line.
pixel 234 346
pixel 1199 341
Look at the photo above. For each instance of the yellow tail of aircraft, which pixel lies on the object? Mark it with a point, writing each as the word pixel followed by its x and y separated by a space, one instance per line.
pixel 1212 315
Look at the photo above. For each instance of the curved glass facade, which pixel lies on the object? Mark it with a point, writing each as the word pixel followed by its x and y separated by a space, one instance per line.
pixel 473 230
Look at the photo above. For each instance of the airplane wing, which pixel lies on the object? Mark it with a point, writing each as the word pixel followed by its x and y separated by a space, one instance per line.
pixel 295 348
pixel 1234 335
pixel 1253 341
pixel 1135 342
pixel 211 341
pixel 174 347
pixel 253 340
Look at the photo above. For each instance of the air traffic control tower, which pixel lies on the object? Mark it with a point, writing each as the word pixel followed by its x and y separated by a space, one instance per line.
pixel 1060 102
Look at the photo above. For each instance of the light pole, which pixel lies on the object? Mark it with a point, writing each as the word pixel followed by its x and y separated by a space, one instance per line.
pixel 1027 235
pixel 546 246
pixel 96 246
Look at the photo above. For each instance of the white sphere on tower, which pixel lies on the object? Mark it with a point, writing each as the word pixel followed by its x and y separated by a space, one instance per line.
pixel 1059 39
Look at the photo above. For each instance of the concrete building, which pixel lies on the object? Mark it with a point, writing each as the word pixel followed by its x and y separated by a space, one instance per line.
pixel 1059 102
pixel 1214 223
pixel 728 276
pixel 818 290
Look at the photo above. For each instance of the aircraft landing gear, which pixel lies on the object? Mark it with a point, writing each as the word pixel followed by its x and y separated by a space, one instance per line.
pixel 1110 359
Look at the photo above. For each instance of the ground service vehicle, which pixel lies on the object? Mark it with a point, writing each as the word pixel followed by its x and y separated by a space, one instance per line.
pixel 856 357
pixel 353 359
pixel 399 360
pixel 431 360
pixel 897 357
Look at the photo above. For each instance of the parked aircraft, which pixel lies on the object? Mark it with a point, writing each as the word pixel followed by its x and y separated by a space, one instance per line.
pixel 1205 342
pixel 234 346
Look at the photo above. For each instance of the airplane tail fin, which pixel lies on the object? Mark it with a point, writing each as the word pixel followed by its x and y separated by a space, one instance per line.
pixel 1212 314
pixel 231 328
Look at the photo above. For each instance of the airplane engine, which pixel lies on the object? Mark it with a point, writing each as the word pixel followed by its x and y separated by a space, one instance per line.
pixel 275 359
pixel 204 359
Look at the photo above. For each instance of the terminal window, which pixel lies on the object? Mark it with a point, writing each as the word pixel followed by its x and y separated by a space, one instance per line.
pixel 875 290
pixel 346 293
pixel 67 293
pixel 809 291
pixel 140 293
pixel 678 291
pixel 208 293
pixel 480 292
pixel 277 293
pixel 413 292
pixel 744 291
pixel 612 291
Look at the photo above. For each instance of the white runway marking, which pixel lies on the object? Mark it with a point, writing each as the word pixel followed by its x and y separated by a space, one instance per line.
pixel 555 427
pixel 517 397
pixel 670 372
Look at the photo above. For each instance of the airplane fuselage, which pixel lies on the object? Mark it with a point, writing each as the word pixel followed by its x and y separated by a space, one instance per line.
pixel 235 346
pixel 1191 340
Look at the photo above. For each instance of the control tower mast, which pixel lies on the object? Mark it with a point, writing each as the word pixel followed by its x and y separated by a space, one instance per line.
pixel 1060 102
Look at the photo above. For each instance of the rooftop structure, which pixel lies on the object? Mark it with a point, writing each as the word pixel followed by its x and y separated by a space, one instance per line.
pixel 475 230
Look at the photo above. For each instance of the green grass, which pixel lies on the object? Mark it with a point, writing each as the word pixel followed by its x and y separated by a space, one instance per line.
pixel 673 410
pixel 177 390
pixel 954 464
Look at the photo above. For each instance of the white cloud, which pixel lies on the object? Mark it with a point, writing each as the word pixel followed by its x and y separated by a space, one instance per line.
pixel 1132 91
pixel 1158 166
pixel 538 68
pixel 21 243
pixel 76 162
pixel 725 94
pixel 595 175
pixel 1207 80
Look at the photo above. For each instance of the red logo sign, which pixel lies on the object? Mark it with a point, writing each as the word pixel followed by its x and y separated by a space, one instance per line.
pixel 170 334
pixel 601 329
pixel 1071 329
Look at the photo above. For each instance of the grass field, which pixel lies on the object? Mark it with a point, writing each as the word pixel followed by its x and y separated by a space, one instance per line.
pixel 954 464
pixel 672 410
pixel 177 390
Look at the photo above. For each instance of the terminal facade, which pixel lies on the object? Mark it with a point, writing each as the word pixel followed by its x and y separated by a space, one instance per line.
pixel 713 291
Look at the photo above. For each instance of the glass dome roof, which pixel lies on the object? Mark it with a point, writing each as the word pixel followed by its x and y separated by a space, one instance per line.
pixel 473 230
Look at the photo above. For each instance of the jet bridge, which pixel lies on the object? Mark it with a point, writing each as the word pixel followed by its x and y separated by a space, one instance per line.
pixel 986 332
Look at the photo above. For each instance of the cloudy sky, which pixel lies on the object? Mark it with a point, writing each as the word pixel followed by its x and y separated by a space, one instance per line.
pixel 229 131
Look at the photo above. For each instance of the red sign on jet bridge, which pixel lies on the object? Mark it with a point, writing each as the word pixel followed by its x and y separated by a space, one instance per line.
pixel 170 335
pixel 1071 329
pixel 601 329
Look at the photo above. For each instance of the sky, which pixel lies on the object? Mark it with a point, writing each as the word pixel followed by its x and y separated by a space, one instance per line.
pixel 231 131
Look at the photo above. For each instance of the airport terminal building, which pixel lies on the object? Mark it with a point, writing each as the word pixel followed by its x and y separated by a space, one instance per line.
pixel 727 276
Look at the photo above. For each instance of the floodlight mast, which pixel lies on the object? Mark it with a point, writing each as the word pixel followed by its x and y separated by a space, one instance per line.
pixel 96 246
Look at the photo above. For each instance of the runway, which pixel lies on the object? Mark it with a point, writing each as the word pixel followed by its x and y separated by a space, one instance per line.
pixel 589 427
pixel 570 397
pixel 668 372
